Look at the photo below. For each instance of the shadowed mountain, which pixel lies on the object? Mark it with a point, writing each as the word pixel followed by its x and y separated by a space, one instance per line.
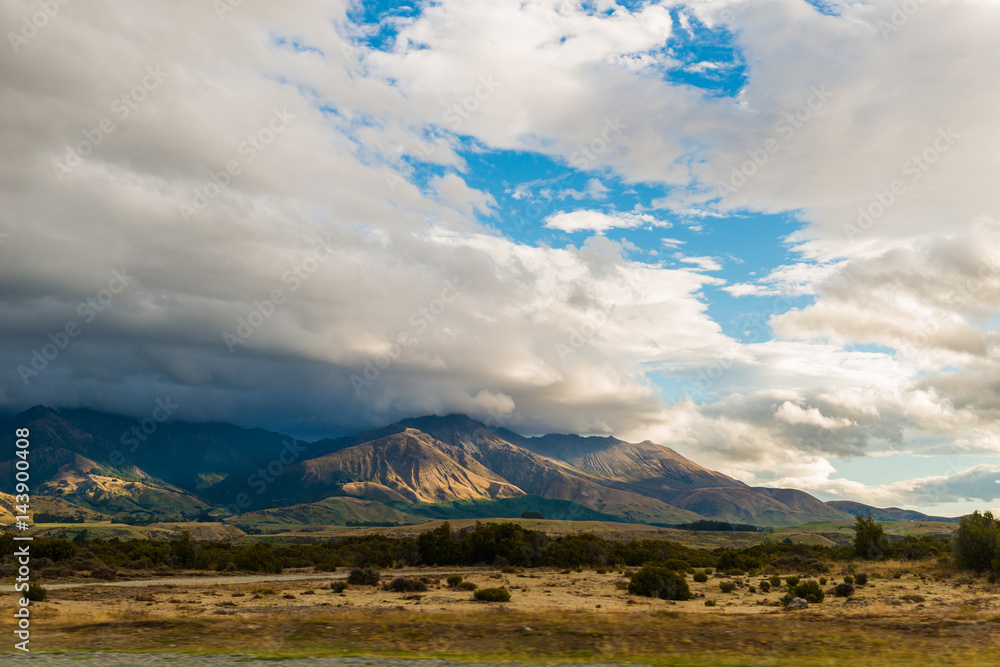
pixel 886 513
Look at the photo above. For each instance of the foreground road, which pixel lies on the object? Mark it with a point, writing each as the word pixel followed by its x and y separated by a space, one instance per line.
pixel 129 659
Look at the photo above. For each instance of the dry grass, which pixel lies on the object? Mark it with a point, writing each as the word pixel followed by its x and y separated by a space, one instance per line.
pixel 552 614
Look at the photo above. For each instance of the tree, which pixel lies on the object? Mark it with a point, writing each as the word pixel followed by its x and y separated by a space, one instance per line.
pixel 870 542
pixel 975 546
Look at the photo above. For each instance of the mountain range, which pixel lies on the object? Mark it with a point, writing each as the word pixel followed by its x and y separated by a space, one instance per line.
pixel 100 464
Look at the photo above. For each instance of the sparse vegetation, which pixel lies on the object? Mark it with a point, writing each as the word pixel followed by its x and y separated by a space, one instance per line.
pixel 338 586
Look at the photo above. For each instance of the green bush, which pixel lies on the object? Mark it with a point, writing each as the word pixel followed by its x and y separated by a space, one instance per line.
pixel 36 592
pixel 364 577
pixel 775 581
pixel 677 565
pixel 860 579
pixel 700 577
pixel 659 582
pixel 849 580
pixel 510 569
pixel 792 582
pixel 870 541
pixel 454 580
pixel 406 585
pixel 709 603
pixel 822 581
pixel 466 586
pixel 765 587
pixel 810 591
pixel 601 570
pixel 727 586
pixel 492 595
pixel 843 590
pixel 338 586
pixel 975 542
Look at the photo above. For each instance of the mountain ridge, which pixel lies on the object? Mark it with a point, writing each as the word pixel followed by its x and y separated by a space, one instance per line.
pixel 103 462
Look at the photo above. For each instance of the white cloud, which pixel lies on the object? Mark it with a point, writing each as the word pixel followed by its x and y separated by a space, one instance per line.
pixel 596 221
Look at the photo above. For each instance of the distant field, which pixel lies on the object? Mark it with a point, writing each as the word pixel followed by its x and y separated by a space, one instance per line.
pixel 825 533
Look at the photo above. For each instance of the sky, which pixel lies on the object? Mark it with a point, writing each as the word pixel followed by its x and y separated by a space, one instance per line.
pixel 763 233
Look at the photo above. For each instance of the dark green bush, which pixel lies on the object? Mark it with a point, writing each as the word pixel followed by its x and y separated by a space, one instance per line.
pixel 975 542
pixel 364 577
pixel 870 541
pixel 727 586
pixel 700 577
pixel 843 590
pixel 849 580
pixel 775 581
pixel 454 580
pixel 659 582
pixel 466 586
pixel 860 579
pixel 765 587
pixel 792 582
pixel 36 592
pixel 822 581
pixel 406 585
pixel 492 595
pixel 810 591
pixel 338 586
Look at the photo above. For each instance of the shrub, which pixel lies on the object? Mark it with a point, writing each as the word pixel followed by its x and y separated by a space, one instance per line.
pixel 677 565
pixel 792 582
pixel 700 577
pixel 454 580
pixel 870 542
pixel 338 586
pixel 363 577
pixel 601 570
pixel 659 582
pixel 466 586
pixel 849 580
pixel 860 579
pixel 406 585
pixel 822 581
pixel 810 591
pixel 727 586
pixel 36 592
pixel 975 541
pixel 843 590
pixel 751 588
pixel 510 569
pixel 765 587
pixel 105 573
pixel 492 595
pixel 709 603
pixel 775 581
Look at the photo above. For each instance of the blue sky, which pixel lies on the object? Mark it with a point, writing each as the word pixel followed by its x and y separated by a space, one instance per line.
pixel 761 233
